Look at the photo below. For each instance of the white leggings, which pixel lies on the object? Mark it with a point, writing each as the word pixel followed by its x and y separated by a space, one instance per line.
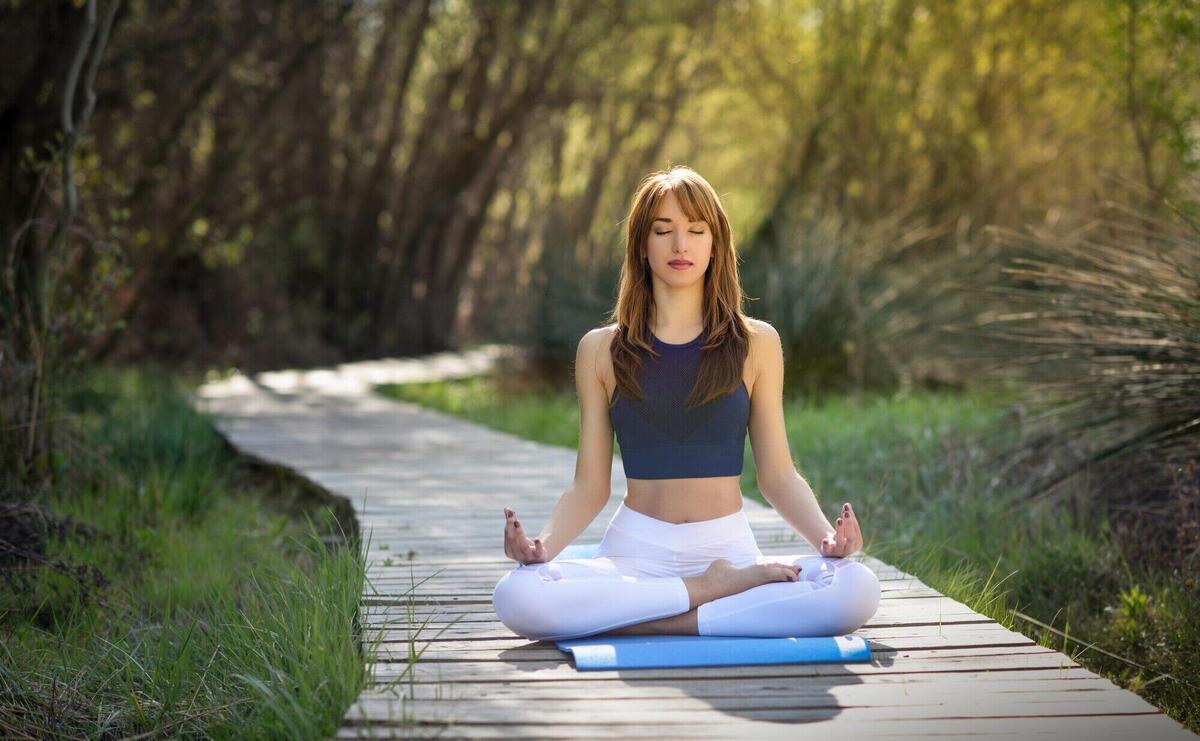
pixel 638 573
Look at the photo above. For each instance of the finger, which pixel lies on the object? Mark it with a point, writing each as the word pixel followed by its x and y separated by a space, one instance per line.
pixel 853 528
pixel 785 571
pixel 847 526
pixel 841 535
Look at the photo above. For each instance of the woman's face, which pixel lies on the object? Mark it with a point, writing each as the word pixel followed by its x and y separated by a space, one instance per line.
pixel 674 239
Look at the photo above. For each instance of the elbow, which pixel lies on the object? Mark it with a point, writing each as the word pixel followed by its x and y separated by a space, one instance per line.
pixel 594 491
pixel 779 482
pixel 595 488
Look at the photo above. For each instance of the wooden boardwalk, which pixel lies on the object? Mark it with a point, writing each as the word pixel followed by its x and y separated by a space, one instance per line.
pixel 429 491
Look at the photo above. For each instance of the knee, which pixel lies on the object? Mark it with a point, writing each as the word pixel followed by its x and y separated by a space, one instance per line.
pixel 518 605
pixel 860 591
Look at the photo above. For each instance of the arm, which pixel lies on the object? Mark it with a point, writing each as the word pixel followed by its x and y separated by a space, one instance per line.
pixel 592 487
pixel 780 483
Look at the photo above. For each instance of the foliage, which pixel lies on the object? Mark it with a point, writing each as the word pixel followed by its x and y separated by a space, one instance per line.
pixel 223 614
pixel 462 169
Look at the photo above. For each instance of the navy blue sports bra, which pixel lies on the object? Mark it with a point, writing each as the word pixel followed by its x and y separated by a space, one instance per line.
pixel 659 439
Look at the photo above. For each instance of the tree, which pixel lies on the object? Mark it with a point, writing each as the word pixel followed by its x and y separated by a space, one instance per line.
pixel 70 44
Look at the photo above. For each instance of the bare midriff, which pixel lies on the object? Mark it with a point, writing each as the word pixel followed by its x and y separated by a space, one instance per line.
pixel 685 500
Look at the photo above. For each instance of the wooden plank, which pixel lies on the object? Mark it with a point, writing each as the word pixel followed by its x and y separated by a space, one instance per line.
pixel 400 574
pixel 914 661
pixel 490 634
pixel 449 599
pixel 466 560
pixel 857 702
pixel 1102 728
pixel 916 602
pixel 631 687
pixel 897 637
pixel 416 588
pixel 401 604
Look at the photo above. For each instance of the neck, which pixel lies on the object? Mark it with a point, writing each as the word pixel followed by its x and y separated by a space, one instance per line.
pixel 676 321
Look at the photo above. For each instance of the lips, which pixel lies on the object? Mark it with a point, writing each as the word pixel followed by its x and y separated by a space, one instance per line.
pixel 679 264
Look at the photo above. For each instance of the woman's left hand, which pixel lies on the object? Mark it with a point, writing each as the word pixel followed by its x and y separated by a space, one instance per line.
pixel 845 539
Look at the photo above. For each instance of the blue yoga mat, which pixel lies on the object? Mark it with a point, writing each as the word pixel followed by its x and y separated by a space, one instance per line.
pixel 670 651
pixel 582 550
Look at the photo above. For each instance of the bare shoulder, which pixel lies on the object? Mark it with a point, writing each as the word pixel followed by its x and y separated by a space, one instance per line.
pixel 598 340
pixel 760 328
pixel 763 338
pixel 765 347
pixel 595 346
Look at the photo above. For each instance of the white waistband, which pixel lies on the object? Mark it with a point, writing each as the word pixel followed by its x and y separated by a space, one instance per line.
pixel 683 534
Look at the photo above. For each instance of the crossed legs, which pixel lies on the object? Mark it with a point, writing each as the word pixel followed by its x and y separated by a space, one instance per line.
pixel 572 598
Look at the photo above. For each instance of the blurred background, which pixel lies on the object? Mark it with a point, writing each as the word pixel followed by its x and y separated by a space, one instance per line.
pixel 922 192
pixel 928 196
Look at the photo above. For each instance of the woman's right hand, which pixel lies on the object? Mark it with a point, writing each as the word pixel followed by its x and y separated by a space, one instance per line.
pixel 517 545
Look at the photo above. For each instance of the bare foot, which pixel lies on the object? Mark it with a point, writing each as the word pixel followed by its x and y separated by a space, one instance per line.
pixel 722 579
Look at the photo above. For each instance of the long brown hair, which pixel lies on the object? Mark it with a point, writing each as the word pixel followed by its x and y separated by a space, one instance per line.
pixel 727 333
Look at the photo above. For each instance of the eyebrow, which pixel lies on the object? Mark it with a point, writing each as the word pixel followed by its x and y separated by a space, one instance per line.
pixel 664 218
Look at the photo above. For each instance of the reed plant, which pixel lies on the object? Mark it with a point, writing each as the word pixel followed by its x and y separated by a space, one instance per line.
pixel 1099 323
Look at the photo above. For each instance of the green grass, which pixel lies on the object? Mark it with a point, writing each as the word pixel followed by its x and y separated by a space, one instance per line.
pixel 919 472
pixel 224 614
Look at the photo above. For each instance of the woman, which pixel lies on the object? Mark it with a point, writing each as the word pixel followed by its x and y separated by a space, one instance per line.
pixel 680 375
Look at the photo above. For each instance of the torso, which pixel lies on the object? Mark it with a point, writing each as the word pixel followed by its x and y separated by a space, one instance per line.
pixel 680 500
